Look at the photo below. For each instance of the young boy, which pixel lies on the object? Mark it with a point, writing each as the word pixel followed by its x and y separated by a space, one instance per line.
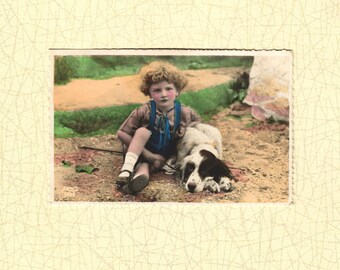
pixel 151 131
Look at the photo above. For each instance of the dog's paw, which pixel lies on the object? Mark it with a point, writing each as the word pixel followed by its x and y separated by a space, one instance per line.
pixel 211 185
pixel 225 184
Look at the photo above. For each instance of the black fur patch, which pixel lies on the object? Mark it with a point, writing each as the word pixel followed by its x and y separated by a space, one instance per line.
pixel 213 167
pixel 189 168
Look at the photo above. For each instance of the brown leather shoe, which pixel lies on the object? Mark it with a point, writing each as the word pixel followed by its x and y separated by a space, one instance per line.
pixel 121 181
pixel 137 184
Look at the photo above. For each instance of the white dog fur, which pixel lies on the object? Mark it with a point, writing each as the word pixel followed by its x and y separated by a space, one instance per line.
pixel 198 157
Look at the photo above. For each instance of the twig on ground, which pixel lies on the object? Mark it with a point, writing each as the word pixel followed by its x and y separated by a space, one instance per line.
pixel 117 152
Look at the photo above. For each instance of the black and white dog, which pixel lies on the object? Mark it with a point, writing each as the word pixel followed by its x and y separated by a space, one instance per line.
pixel 198 157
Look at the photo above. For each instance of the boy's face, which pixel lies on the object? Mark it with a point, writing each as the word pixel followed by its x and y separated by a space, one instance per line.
pixel 164 94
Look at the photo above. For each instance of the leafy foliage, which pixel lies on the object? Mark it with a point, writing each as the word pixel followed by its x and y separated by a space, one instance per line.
pixel 239 95
pixel 66 163
pixel 89 169
pixel 64 69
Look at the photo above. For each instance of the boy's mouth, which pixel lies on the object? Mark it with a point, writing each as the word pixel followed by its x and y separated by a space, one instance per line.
pixel 164 100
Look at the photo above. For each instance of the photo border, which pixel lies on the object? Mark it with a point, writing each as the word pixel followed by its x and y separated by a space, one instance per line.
pixel 178 52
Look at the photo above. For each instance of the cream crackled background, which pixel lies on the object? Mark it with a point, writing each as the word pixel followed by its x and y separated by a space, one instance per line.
pixel 35 234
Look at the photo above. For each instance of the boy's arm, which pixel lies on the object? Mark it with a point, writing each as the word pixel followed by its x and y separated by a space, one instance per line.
pixel 195 117
pixel 124 137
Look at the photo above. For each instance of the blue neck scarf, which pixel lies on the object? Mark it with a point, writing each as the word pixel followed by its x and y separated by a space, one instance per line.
pixel 163 126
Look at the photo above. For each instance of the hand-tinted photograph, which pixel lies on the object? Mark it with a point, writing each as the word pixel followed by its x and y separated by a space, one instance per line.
pixel 180 126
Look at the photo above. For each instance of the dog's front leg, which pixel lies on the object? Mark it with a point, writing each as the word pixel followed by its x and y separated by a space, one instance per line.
pixel 225 184
pixel 211 185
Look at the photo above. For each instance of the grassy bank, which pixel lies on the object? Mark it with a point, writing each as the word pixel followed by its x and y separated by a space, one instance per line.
pixel 84 123
pixel 104 67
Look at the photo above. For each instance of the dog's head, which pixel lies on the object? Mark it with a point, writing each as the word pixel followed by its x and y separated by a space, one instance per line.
pixel 200 165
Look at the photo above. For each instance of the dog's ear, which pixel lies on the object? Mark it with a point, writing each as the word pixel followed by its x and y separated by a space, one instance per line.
pixel 206 168
pixel 221 169
pixel 207 154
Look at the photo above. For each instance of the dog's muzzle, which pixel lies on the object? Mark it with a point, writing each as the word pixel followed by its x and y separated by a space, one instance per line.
pixel 191 187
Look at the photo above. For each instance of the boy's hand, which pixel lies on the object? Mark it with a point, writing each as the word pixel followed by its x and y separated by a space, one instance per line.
pixel 156 160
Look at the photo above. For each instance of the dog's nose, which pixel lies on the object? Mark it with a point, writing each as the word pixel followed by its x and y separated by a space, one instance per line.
pixel 191 187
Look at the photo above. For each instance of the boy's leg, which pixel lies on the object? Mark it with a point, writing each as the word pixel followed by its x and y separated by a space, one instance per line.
pixel 142 169
pixel 139 140
pixel 139 181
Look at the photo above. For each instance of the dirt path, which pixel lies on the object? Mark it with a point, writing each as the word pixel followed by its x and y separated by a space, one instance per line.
pixel 260 151
pixel 88 94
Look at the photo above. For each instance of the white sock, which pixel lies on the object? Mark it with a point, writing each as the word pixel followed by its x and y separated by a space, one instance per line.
pixel 129 164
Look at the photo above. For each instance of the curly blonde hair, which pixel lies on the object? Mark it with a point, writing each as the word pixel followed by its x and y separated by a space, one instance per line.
pixel 158 71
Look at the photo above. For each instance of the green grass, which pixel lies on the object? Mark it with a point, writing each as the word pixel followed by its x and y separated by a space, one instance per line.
pixel 84 123
pixel 208 101
pixel 104 67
